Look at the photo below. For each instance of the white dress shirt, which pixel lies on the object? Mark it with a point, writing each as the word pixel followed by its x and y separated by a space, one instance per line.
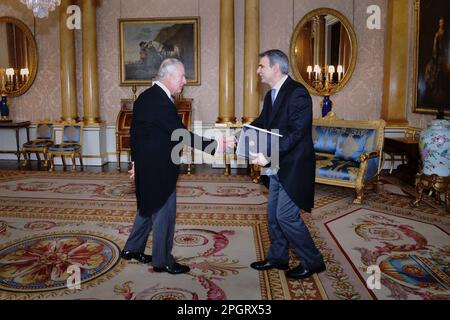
pixel 278 85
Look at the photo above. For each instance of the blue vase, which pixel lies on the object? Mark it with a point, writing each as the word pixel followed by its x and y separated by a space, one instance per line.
pixel 4 108
pixel 327 104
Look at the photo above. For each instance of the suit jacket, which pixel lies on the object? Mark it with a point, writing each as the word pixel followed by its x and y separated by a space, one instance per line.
pixel 153 122
pixel 292 116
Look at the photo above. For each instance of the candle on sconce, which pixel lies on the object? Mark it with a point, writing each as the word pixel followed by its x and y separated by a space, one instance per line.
pixel 340 70
pixel 309 69
pixel 24 72
pixel 331 71
pixel 317 71
pixel 10 74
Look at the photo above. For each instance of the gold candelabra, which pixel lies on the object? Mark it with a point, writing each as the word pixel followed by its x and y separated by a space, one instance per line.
pixel 325 81
pixel 11 80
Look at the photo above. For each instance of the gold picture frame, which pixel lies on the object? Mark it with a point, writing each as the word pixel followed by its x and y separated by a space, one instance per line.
pixel 144 43
pixel 431 57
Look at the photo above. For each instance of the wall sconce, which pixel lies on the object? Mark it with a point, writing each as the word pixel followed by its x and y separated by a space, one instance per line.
pixel 24 73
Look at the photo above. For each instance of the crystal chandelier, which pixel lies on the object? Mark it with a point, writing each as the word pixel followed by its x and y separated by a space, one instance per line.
pixel 41 7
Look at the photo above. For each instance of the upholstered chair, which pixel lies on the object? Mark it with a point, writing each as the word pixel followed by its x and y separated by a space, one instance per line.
pixel 70 146
pixel 45 138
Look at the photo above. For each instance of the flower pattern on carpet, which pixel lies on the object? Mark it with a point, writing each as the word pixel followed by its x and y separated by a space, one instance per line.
pixel 412 256
pixel 40 264
pixel 219 235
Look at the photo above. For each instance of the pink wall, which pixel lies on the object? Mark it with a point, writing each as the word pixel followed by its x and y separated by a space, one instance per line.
pixel 360 99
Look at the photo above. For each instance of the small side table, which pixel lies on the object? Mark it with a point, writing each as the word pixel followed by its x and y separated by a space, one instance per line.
pixel 439 184
pixel 16 126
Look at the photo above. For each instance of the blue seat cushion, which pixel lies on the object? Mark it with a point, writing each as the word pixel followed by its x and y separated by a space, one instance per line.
pixel 350 145
pixel 325 139
pixel 332 168
pixel 64 147
pixel 38 144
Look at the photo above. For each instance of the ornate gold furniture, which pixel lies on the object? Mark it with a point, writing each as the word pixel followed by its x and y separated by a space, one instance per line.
pixel 70 146
pixel 348 152
pixel 45 138
pixel 323 53
pixel 123 125
pixel 21 55
pixel 436 183
pixel 18 61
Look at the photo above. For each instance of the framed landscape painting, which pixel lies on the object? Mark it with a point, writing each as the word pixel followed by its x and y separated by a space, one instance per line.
pixel 432 57
pixel 145 43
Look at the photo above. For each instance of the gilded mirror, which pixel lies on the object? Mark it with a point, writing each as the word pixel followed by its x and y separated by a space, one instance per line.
pixel 18 58
pixel 323 51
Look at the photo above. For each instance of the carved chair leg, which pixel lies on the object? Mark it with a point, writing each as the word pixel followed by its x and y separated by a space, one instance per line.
pixel 38 158
pixel 52 162
pixel 359 195
pixel 392 164
pixel 74 166
pixel 45 159
pixel 25 159
pixel 81 161
pixel 63 159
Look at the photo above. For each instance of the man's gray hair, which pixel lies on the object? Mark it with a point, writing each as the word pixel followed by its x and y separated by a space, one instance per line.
pixel 168 66
pixel 277 57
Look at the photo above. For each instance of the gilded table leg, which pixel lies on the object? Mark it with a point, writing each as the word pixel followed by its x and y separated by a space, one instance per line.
pixel 118 160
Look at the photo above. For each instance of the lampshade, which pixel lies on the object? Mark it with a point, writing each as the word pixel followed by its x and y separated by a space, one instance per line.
pixel 9 72
pixel 41 7
pixel 24 72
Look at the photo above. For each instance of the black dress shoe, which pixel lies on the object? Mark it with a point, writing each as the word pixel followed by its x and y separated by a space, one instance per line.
pixel 300 272
pixel 267 265
pixel 139 256
pixel 176 268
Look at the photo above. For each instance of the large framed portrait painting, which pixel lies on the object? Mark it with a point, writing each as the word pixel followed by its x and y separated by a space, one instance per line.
pixel 432 56
pixel 145 43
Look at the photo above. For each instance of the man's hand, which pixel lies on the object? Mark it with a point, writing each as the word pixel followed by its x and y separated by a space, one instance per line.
pixel 131 172
pixel 259 159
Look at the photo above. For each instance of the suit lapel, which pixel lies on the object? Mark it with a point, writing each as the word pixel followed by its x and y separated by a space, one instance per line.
pixel 279 100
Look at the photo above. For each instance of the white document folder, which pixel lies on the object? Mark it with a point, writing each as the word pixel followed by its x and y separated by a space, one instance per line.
pixel 255 140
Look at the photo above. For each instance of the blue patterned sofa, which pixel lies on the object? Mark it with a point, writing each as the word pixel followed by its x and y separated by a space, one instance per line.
pixel 347 152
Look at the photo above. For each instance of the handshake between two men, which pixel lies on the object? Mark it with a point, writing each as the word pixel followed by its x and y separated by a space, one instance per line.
pixel 246 143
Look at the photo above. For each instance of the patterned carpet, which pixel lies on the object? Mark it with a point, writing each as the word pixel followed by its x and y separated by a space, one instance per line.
pixel 50 222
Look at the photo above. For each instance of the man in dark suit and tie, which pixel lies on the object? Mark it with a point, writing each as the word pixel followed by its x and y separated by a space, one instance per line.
pixel 155 170
pixel 288 108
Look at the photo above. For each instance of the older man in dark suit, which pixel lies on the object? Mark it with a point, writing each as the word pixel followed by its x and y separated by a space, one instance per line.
pixel 154 121
pixel 288 108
